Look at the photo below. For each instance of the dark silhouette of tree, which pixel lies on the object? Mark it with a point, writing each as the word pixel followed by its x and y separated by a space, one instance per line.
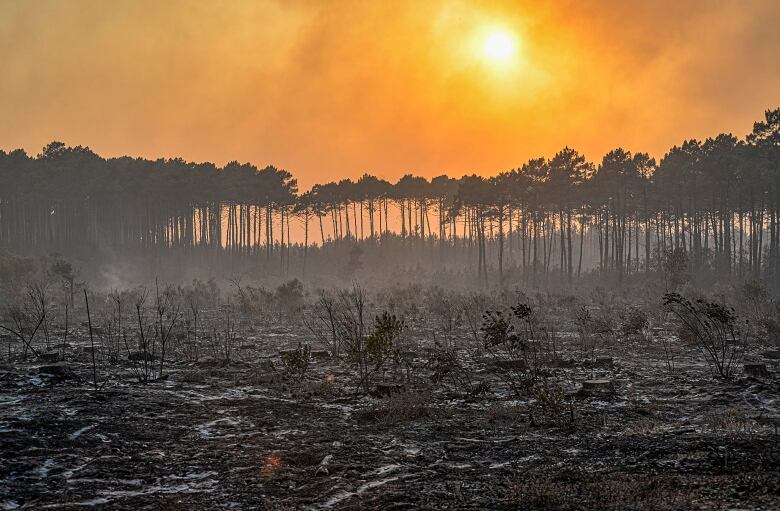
pixel 715 202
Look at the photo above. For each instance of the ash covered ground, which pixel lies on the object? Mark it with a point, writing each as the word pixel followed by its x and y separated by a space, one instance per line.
pixel 581 412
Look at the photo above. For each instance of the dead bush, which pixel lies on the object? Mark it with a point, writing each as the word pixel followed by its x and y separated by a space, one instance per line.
pixel 368 347
pixel 473 307
pixel 323 321
pixel 224 334
pixel 350 321
pixel 28 312
pixel 712 327
pixel 446 364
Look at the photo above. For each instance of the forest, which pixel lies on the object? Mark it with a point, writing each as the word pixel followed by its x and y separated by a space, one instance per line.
pixel 713 204
pixel 564 335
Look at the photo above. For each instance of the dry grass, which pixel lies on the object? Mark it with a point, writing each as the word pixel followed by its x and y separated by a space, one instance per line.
pixel 193 376
pixel 644 426
pixel 323 389
pixel 398 409
pixel 734 424
pixel 502 413
pixel 605 492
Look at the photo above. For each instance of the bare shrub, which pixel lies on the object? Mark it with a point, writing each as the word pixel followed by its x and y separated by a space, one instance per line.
pixel 445 311
pixel 670 355
pixel 188 342
pixel 152 335
pixel 27 313
pixel 110 332
pixel 195 298
pixel 446 364
pixel 350 313
pixel 167 308
pixel 43 307
pixel 324 322
pixel 593 328
pixel 376 348
pixel 712 327
pixel 224 334
pixel 142 358
pixel 473 308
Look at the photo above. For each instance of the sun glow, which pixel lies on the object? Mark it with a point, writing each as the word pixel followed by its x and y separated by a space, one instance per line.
pixel 499 47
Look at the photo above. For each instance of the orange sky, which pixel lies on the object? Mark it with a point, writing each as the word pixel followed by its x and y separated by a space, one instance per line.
pixel 334 89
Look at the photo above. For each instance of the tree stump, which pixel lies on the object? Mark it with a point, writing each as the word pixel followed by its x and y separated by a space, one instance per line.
pixel 598 386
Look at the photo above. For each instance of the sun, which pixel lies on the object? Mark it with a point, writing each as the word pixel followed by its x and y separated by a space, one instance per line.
pixel 499 46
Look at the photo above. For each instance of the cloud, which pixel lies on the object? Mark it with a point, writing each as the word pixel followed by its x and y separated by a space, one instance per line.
pixel 333 89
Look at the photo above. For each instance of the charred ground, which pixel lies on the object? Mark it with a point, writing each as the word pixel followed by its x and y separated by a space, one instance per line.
pixel 397 398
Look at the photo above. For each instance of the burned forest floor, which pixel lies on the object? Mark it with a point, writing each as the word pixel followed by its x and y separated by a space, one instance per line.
pixel 243 434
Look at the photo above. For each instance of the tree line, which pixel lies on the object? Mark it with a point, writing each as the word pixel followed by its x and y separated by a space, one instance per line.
pixel 713 203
